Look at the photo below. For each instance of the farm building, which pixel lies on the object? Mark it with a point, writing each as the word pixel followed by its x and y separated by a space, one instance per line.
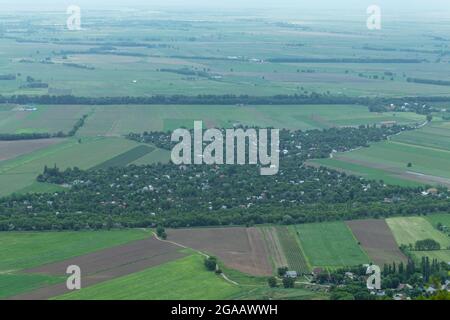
pixel 291 274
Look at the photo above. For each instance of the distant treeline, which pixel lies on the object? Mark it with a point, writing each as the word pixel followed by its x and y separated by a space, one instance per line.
pixel 342 60
pixel 29 136
pixel 429 81
pixel 405 50
pixel 187 72
pixel 228 99
pixel 7 77
pixel 104 52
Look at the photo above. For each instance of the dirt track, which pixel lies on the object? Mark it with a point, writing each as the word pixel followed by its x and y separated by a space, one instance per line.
pixel 105 265
pixel 243 249
pixel 377 240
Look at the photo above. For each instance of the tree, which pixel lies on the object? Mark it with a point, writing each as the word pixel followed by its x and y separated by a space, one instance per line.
pixel 161 232
pixel 282 271
pixel 429 117
pixel 211 263
pixel 288 282
pixel 427 245
pixel 272 282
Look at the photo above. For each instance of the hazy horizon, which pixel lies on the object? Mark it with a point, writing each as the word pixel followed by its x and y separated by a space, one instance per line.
pixel 418 6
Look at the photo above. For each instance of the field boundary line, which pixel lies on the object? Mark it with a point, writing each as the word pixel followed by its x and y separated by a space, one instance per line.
pixel 419 146
pixel 357 241
pixel 224 276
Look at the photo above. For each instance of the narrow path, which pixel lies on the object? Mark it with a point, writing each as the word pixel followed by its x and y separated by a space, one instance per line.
pixel 201 253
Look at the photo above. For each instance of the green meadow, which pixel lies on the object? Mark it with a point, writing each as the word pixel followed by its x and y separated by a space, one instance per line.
pixel 330 245
pixel 408 230
pixel 13 284
pixel 20 173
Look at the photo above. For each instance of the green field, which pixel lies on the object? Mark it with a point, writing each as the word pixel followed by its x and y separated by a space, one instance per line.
pixel 49 119
pixel 441 255
pixel 436 135
pixel 182 279
pixel 443 218
pixel 22 250
pixel 429 165
pixel 13 284
pixel 126 158
pixel 292 250
pixel 120 120
pixel 19 173
pixel 408 230
pixel 366 172
pixel 330 245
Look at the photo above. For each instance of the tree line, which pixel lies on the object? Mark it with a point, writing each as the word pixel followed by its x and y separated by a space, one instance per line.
pixel 45 135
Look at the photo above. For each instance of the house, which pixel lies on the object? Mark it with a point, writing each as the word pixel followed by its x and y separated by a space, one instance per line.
pixel 291 274
pixel 349 275
pixel 381 293
pixel 430 290
pixel 404 286
pixel 446 285
pixel 317 271
pixel 388 123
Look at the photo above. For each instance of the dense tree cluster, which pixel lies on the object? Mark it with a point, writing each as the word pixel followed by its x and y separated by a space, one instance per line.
pixel 427 245
pixel 410 280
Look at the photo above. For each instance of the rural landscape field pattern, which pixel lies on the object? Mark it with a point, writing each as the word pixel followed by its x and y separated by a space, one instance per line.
pixel 86 176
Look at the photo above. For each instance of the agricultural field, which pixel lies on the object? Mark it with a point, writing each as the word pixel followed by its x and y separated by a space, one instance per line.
pixel 45 119
pixel 14 149
pixel 90 88
pixel 126 158
pixel 21 251
pixel 113 120
pixel 411 158
pixel 32 249
pixel 243 249
pixel 443 219
pixel 428 165
pixel 121 120
pixel 408 230
pixel 366 172
pixel 21 172
pixel 434 136
pixel 294 253
pixel 377 240
pixel 218 55
pixel 181 279
pixel 441 255
pixel 14 284
pixel 106 264
pixel 330 245
pixel 273 243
